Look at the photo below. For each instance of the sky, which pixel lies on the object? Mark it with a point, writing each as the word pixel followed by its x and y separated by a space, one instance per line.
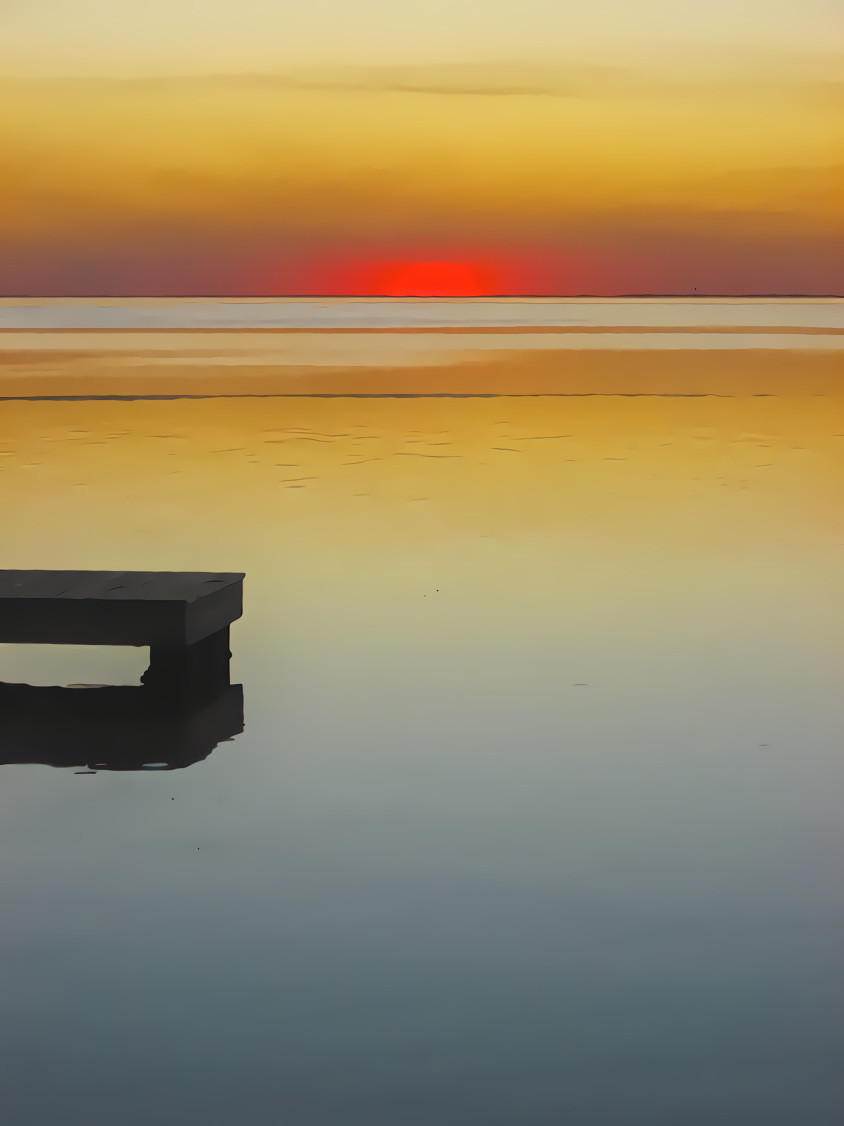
pixel 453 146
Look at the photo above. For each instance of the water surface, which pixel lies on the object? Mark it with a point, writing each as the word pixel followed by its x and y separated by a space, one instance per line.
pixel 536 817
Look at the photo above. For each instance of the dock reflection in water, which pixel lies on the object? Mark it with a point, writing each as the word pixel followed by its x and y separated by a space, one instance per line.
pixel 114 727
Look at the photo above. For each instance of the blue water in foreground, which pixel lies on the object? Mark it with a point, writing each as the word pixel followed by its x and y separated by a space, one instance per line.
pixel 537 815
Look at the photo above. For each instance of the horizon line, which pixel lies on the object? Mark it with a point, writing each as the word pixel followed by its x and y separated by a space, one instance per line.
pixel 416 296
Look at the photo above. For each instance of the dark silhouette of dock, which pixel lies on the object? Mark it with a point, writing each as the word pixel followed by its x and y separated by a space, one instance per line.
pixel 113 728
pixel 186 703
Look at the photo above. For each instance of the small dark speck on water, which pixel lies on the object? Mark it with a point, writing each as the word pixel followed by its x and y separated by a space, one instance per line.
pixel 84 772
pixel 581 684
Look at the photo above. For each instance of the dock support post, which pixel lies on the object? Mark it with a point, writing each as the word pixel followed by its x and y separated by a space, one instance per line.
pixel 190 670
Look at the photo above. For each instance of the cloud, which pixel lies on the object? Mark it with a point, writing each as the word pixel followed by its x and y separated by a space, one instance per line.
pixel 475 79
pixel 652 77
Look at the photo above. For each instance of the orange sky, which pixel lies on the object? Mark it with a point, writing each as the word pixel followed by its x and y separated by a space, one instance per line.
pixel 595 165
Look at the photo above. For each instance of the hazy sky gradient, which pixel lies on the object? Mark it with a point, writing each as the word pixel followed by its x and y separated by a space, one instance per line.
pixel 537 146
pixel 162 36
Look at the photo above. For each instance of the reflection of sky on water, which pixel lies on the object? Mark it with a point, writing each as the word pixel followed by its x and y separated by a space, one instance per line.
pixel 536 816
pixel 330 313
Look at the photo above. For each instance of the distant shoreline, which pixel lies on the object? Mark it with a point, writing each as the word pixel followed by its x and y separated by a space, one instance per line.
pixel 422 297
pixel 447 330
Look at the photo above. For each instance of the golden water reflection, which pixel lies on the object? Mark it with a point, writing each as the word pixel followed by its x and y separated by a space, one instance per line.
pixel 540 780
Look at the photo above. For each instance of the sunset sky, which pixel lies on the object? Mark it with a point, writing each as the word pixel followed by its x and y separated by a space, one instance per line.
pixel 453 146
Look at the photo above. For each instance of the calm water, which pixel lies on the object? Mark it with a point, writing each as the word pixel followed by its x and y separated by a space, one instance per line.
pixel 38 314
pixel 536 817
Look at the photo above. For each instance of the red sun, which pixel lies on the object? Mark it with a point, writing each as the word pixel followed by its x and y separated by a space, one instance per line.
pixel 431 279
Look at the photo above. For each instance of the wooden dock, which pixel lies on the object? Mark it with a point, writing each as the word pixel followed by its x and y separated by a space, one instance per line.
pixel 184 618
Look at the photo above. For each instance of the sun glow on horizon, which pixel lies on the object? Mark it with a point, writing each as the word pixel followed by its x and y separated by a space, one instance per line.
pixel 431 279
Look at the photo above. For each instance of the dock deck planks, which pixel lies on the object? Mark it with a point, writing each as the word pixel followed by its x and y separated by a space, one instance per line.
pixel 183 616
